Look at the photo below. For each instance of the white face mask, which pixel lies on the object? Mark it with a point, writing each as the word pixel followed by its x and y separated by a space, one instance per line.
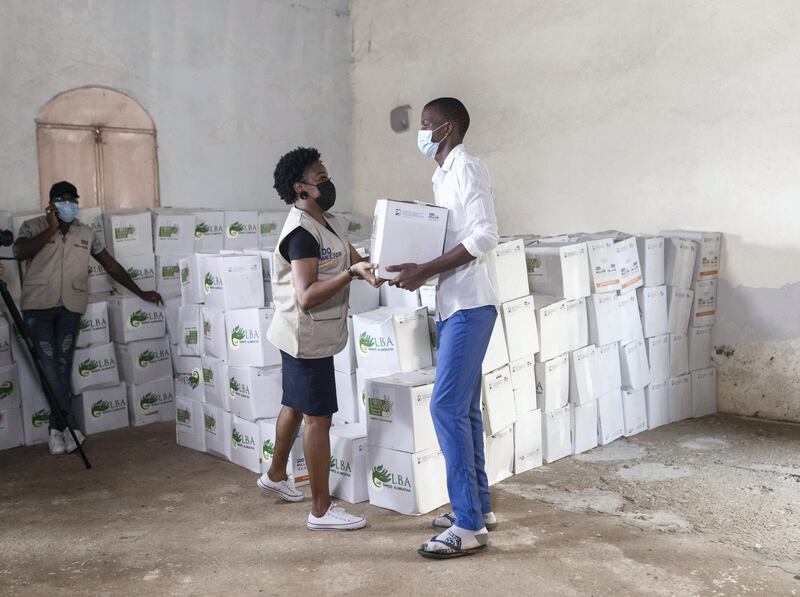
pixel 426 144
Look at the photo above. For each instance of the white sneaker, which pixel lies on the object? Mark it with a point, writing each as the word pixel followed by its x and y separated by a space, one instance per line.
pixel 336 519
pixel 285 489
pixel 448 519
pixel 56 442
pixel 69 443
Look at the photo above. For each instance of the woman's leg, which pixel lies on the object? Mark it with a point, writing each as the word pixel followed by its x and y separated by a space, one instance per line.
pixel 317 448
pixel 286 432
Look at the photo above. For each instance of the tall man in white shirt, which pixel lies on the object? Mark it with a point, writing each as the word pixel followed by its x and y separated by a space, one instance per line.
pixel 467 310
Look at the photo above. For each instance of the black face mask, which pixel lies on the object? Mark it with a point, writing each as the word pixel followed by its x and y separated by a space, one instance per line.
pixel 327 195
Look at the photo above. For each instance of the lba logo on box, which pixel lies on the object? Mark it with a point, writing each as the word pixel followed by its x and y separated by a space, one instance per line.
pixel 382 478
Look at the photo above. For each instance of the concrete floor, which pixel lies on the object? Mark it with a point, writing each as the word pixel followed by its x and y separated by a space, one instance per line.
pixel 702 507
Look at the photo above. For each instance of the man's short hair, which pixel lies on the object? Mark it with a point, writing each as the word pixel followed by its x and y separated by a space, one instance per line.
pixel 452 110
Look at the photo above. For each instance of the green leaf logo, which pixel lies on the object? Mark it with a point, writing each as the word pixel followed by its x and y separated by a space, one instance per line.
pixel 194 379
pixel 100 407
pixel 84 325
pixel 365 342
pixel 147 357
pixel 201 229
pixel 134 273
pixel 237 335
pixel 40 417
pixel 236 438
pixel 208 282
pixel 235 229
pixel 138 317
pixel 87 367
pixel 233 386
pixel 6 388
pixel 268 227
pixel 148 400
pixel 183 416
pixel 268 449
pixel 184 275
pixel 380 476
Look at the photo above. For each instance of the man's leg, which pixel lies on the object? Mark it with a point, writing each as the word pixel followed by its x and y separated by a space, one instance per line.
pixel 41 327
pixel 476 421
pixel 286 432
pixel 463 340
pixel 317 449
pixel 66 326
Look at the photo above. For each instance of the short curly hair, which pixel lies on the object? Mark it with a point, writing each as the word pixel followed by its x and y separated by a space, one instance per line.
pixel 290 169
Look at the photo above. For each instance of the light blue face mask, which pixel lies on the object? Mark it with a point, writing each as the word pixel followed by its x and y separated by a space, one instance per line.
pixel 426 144
pixel 67 210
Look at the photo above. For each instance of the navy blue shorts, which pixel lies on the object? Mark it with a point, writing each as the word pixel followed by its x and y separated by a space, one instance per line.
pixel 309 385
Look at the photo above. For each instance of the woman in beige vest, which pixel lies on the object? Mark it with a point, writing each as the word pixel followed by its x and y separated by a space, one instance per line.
pixel 314 265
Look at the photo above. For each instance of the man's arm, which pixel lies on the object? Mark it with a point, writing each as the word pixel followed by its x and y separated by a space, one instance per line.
pixel 116 271
pixel 26 247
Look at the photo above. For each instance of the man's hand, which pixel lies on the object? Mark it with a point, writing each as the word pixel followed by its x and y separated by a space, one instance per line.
pixel 366 271
pixel 52 219
pixel 151 296
pixel 410 276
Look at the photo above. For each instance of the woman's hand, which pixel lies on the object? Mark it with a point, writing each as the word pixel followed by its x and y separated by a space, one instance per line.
pixel 366 271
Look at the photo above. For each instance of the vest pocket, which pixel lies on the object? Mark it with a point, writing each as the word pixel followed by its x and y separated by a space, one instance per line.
pixel 329 310
pixel 79 284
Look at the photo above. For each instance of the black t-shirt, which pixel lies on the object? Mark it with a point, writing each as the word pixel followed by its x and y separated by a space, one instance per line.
pixel 300 244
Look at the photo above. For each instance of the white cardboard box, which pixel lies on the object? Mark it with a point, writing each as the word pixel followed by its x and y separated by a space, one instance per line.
pixel 233 281
pixel 560 270
pixel 35 419
pixel 634 407
pixel 651 256
pixel 270 226
pixel 215 340
pixel 556 434
pixel 94 367
pixel 523 381
pixel 11 431
pixel 499 454
pixel 266 271
pixel 392 296
pixel 610 418
pixel 680 398
pixel 709 247
pixel 679 307
pixel 630 270
pixel 584 376
pixel 365 297
pixel 361 392
pixel 128 232
pixel 173 231
pixel 552 383
pixel 653 311
pixel 345 361
pixel 168 275
pixel 247 338
pixel 678 355
pixel 528 441
pixel 93 327
pixel 255 392
pixel 241 230
pixel 605 325
pixel 189 424
pixel 406 483
pixel 629 317
pixel 133 319
pixel 398 412
pixel 189 378
pixel 634 366
pixel 216 383
pixel 405 232
pixel 551 320
pixel 603 265
pixel 657 399
pixel 392 340
pixel 519 321
pixel 704 392
pixel 658 358
pixel 98 281
pixel 151 402
pixel 101 410
pixel 145 360
pixel 508 271
pixel 347 398
pixel 193 279
pixel 610 368
pixel 209 231
pixel 679 262
pixel 584 427
pixel 141 269
pixel 577 324
pixel 498 400
pixel 497 352
pixel 246 446
pixel 348 476
pixel 704 304
pixel 217 424
pixel 190 324
pixel 700 346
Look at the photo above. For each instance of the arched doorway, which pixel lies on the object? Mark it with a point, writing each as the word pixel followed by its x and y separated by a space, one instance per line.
pixel 104 142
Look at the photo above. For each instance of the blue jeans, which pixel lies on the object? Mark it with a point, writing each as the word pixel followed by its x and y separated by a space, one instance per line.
pixel 456 411
pixel 53 332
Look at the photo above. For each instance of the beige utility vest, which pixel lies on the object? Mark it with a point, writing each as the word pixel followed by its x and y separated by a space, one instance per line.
pixel 321 331
pixel 60 270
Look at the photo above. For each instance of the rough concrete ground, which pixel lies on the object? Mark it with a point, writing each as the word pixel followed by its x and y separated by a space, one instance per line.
pixel 702 507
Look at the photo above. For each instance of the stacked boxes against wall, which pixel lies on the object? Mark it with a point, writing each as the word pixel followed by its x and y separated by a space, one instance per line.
pixel 12 430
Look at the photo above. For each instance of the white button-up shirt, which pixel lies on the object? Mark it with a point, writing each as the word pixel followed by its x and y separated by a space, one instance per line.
pixel 462 185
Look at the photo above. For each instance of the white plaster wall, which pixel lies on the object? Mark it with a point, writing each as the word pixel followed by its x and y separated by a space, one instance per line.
pixel 615 114
pixel 231 85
